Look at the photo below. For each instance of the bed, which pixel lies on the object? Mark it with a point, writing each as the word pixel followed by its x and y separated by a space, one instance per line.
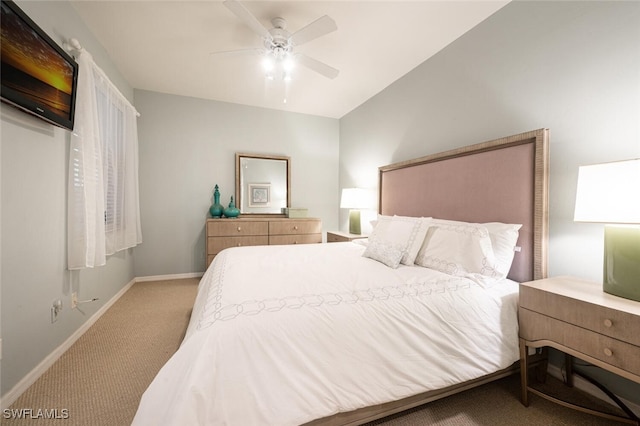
pixel 344 333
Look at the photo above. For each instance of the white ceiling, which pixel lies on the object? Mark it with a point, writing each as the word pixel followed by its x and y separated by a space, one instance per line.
pixel 165 46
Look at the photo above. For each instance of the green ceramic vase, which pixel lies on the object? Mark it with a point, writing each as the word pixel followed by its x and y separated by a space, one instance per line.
pixel 232 210
pixel 216 208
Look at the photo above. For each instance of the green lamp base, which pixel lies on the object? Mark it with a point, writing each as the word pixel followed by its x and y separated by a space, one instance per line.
pixel 354 222
pixel 622 261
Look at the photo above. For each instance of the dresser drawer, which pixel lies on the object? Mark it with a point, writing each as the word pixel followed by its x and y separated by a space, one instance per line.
pixel 232 227
pixel 295 227
pixel 295 239
pixel 534 326
pixel 610 322
pixel 257 231
pixel 216 244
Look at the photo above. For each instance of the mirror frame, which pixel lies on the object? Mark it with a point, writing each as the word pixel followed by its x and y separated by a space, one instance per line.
pixel 287 160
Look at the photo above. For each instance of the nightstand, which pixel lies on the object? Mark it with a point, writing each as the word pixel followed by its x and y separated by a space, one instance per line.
pixel 339 237
pixel 579 319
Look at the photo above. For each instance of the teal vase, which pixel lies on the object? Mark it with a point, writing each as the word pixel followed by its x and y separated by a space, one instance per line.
pixel 232 210
pixel 216 208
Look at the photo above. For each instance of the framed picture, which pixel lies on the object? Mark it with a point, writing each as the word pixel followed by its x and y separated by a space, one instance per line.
pixel 259 194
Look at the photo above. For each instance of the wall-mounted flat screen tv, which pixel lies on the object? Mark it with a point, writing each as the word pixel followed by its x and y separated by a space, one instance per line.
pixel 37 75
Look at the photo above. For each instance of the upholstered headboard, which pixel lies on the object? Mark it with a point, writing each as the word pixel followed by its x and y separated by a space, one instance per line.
pixel 504 180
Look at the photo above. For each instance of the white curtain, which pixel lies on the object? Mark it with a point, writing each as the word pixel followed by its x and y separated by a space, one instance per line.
pixel 103 206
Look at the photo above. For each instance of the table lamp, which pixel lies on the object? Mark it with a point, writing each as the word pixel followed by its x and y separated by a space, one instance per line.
pixel 356 199
pixel 610 193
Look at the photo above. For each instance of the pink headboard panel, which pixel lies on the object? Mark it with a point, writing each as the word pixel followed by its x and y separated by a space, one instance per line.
pixel 504 180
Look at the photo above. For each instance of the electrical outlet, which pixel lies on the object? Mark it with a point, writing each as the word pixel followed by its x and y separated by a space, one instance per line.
pixel 55 310
pixel 74 300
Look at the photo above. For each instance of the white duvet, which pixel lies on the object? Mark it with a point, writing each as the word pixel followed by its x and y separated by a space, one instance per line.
pixel 282 335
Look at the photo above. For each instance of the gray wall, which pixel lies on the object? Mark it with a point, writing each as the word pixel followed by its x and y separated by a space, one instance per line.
pixel 188 145
pixel 573 67
pixel 34 170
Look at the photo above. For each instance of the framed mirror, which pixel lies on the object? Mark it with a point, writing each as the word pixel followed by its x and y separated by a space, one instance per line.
pixel 263 183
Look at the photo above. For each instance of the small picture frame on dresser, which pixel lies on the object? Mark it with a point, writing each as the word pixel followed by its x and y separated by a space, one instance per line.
pixel 259 195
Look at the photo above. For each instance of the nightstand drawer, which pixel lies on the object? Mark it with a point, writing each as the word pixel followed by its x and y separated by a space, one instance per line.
pixel 333 238
pixel 339 237
pixel 534 327
pixel 610 322
pixel 295 239
pixel 295 227
pixel 216 244
pixel 230 227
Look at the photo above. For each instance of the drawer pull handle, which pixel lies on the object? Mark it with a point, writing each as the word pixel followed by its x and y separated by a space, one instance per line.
pixel 295 242
pixel 239 229
pixel 608 323
pixel 608 352
pixel 295 228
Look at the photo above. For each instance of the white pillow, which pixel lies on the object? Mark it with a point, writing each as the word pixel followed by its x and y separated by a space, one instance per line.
pixel 458 249
pixel 504 237
pixel 384 253
pixel 401 232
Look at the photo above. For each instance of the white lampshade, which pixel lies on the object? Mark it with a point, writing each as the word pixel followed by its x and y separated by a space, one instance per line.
pixel 609 193
pixel 357 198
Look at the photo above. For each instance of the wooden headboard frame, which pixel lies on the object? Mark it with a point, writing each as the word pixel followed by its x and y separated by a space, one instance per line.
pixel 503 180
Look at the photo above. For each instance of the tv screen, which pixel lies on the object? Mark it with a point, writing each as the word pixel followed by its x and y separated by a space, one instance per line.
pixel 37 75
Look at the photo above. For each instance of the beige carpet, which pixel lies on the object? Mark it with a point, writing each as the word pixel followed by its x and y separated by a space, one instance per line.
pixel 100 379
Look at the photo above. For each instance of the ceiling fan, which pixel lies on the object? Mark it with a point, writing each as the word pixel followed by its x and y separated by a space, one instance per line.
pixel 278 53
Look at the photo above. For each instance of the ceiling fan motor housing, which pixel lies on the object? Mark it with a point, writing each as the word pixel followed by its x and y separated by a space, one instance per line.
pixel 279 43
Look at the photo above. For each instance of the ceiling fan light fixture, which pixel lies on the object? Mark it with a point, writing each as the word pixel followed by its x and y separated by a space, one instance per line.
pixel 288 64
pixel 268 63
pixel 276 63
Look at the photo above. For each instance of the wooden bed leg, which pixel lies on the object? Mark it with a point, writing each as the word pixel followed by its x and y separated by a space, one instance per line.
pixel 524 373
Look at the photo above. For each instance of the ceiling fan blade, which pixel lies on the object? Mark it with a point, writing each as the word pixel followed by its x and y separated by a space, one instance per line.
pixel 240 52
pixel 317 66
pixel 319 27
pixel 247 17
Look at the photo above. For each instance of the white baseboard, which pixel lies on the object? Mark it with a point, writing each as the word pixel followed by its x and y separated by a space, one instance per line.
pixel 169 277
pixel 11 396
pixel 589 388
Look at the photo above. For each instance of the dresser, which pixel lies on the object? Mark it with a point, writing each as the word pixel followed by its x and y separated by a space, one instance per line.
pixel 578 318
pixel 225 233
